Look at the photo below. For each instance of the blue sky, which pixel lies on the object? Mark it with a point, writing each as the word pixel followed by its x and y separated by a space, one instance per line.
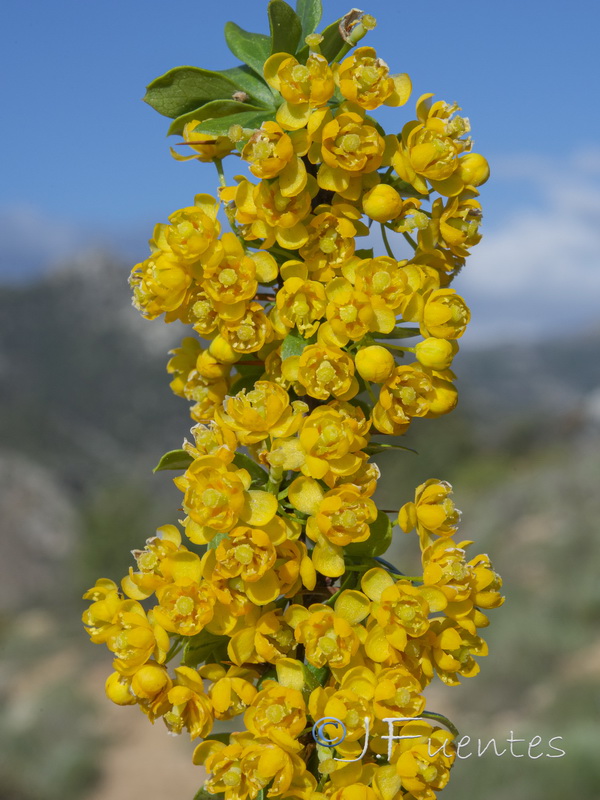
pixel 85 161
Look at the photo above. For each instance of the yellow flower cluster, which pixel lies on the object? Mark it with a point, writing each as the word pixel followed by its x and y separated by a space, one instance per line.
pixel 277 603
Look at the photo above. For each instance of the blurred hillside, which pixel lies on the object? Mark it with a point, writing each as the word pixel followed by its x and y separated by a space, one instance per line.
pixel 85 413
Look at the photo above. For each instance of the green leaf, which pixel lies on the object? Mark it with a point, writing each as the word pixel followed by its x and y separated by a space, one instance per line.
pixel 286 27
pixel 183 89
pixel 251 48
pixel 310 13
pixel 315 676
pixel 293 344
pixel 175 459
pixel 213 110
pixel 257 473
pixel 379 540
pixel 204 647
pixel 246 81
pixel 221 126
pixel 365 253
pixel 332 41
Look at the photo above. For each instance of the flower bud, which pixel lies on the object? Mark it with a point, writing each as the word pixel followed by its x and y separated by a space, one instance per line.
pixel 222 351
pixel 149 681
pixel 382 203
pixel 436 353
pixel 374 363
pixel 118 690
pixel 473 169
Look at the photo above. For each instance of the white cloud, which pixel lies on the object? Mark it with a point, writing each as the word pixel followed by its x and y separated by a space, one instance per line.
pixel 538 274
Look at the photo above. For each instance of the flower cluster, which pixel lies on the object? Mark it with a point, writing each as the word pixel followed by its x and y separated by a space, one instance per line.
pixel 273 594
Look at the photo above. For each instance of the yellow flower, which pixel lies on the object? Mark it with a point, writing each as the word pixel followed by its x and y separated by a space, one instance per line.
pixel 452 651
pixel 264 411
pixel 272 152
pixel 331 233
pixel 247 765
pixel 191 237
pixel 206 147
pixel 446 315
pixel 185 608
pixel 277 712
pixel 191 708
pixel 364 79
pixel 454 225
pixel 202 314
pixel 141 584
pixel 343 516
pixel 328 637
pixel 269 639
pixel 421 773
pixel 374 363
pixel 137 639
pixel 302 87
pixel 160 285
pixel 324 371
pixel 247 553
pixel 407 393
pixel 249 333
pixel 382 279
pixel 352 313
pixel 231 691
pixel 397 694
pixel 433 513
pixel 332 437
pixel 102 617
pixel 430 148
pixel 348 706
pixel 487 583
pixel 399 610
pixel 214 494
pixel 212 440
pixel 265 212
pixel 301 304
pixel 232 280
pixel 350 148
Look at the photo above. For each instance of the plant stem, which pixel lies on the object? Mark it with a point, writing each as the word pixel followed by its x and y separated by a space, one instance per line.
pixel 386 242
pixel 410 240
pixel 218 162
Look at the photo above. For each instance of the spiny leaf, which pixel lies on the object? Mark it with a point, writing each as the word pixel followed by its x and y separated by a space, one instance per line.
pixel 204 647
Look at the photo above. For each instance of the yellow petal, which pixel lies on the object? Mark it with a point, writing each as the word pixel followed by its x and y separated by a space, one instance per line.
pixel 375 582
pixel 259 509
pixel 328 559
pixel 290 673
pixel 266 266
pixel 352 606
pixel 293 117
pixel 305 494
